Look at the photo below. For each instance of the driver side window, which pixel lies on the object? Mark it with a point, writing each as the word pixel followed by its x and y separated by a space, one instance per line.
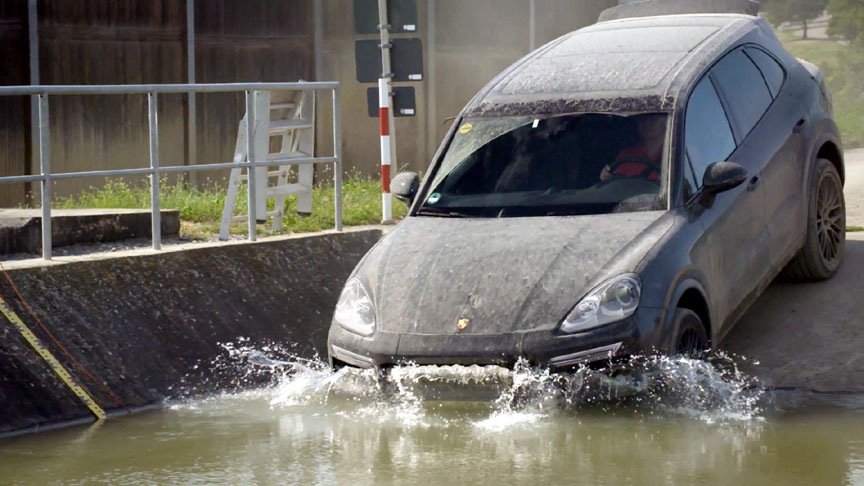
pixel 707 133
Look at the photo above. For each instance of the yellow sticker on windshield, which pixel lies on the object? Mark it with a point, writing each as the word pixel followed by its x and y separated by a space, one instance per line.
pixel 465 128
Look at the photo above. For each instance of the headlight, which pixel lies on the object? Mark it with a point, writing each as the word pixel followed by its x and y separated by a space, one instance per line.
pixel 355 310
pixel 611 301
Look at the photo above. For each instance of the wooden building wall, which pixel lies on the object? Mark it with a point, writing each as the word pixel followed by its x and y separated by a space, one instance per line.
pixel 14 111
pixel 111 42
pixel 242 41
pixel 141 42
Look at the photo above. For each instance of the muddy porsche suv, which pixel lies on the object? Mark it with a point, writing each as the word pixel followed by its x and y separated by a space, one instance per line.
pixel 628 188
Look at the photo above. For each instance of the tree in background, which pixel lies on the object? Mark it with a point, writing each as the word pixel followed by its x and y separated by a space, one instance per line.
pixel 847 19
pixel 780 11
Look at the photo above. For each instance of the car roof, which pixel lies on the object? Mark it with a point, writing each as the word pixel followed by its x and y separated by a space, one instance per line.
pixel 627 65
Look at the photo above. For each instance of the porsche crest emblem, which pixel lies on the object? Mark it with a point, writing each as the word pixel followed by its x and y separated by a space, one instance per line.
pixel 462 323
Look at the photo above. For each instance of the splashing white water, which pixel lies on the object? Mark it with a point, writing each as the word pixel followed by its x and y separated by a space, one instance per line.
pixel 710 390
pixel 411 396
pixel 534 394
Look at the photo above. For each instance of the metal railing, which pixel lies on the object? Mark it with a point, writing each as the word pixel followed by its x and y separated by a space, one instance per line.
pixel 152 91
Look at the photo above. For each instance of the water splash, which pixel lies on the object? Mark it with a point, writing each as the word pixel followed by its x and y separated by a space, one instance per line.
pixel 712 390
pixel 534 394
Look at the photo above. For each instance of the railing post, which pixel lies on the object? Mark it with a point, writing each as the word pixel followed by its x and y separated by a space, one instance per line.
pixel 45 170
pixel 337 153
pixel 250 159
pixel 33 31
pixel 192 130
pixel 155 206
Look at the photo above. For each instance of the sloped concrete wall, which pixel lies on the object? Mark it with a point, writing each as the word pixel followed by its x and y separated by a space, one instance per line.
pixel 140 324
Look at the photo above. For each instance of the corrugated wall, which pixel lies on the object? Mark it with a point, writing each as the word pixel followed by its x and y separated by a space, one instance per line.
pixel 110 42
pixel 242 41
pixel 136 42
pixel 14 111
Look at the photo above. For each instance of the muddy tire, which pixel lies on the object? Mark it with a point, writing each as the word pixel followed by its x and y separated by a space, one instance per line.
pixel 691 338
pixel 826 228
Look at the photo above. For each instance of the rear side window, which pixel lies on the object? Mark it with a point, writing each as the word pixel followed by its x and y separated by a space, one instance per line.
pixel 771 69
pixel 707 135
pixel 744 89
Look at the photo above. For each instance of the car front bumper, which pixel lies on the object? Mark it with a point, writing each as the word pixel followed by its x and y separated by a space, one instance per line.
pixel 543 347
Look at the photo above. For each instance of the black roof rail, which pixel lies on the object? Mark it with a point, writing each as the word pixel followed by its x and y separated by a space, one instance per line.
pixel 653 8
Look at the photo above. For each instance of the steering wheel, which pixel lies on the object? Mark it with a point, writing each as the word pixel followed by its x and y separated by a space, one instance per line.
pixel 629 181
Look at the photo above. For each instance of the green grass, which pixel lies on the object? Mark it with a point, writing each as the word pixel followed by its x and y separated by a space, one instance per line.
pixel 843 67
pixel 812 50
pixel 854 229
pixel 201 208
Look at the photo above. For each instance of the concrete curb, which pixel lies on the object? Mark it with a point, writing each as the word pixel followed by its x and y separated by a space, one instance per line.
pixel 21 230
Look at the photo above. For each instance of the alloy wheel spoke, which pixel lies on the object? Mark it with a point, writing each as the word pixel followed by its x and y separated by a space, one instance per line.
pixel 832 243
pixel 829 219
pixel 830 197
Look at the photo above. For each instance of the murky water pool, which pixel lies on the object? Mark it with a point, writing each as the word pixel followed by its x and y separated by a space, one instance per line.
pixel 658 421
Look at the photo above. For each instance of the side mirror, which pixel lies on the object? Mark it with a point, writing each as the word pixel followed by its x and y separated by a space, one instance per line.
pixel 720 177
pixel 404 186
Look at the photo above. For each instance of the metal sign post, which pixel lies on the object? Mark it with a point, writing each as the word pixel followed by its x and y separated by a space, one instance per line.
pixel 385 101
pixel 400 60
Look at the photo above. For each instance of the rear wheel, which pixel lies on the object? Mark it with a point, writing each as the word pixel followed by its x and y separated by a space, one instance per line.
pixel 691 338
pixel 826 227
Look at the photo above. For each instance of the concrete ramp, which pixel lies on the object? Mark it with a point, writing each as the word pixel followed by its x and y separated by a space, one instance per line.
pixel 809 335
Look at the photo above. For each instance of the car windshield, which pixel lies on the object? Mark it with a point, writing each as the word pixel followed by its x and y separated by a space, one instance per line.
pixel 560 165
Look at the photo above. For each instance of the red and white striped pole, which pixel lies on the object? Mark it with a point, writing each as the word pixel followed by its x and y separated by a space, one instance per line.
pixel 384 101
pixel 386 156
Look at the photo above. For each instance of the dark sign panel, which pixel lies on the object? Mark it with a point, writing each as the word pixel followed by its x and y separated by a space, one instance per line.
pixel 402 15
pixel 406 59
pixel 404 101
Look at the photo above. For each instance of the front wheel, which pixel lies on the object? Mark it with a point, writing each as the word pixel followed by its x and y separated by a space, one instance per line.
pixel 826 227
pixel 691 338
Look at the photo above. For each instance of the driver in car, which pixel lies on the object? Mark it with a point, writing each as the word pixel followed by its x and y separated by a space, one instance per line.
pixel 643 159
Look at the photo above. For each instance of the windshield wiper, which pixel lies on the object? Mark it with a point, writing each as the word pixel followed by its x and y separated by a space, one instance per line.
pixel 441 213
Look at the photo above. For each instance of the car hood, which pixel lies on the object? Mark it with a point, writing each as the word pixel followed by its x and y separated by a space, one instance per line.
pixel 503 275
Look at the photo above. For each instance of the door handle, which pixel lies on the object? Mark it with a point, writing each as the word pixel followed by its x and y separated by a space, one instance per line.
pixel 800 125
pixel 754 181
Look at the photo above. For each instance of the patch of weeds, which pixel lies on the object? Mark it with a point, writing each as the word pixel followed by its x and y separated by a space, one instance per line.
pixel 201 206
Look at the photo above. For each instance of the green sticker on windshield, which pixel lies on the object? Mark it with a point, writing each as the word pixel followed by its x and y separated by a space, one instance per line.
pixel 434 198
